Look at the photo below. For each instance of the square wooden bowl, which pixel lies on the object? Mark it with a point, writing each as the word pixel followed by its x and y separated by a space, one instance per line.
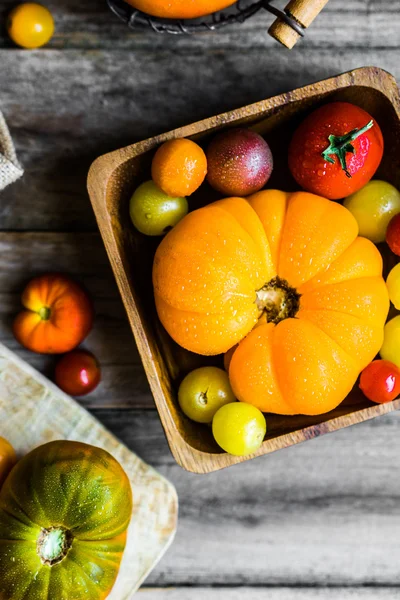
pixel 114 177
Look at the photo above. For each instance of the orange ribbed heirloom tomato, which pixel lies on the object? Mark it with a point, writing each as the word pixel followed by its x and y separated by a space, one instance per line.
pixel 297 259
pixel 58 315
pixel 180 9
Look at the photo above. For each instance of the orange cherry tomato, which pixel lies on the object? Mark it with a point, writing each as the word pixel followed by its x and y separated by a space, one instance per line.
pixel 7 459
pixel 30 25
pixel 58 315
pixel 336 150
pixel 78 373
pixel 380 381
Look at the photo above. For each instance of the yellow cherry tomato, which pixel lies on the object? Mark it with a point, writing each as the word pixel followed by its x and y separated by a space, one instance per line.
pixel 30 25
pixel 393 285
pixel 239 428
pixel 7 459
pixel 373 207
pixel 391 343
pixel 203 392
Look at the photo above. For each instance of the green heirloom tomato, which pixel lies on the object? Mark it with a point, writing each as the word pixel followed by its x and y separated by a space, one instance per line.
pixel 64 513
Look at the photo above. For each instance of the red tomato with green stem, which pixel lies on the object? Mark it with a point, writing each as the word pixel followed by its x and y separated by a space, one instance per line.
pixel 78 373
pixel 336 150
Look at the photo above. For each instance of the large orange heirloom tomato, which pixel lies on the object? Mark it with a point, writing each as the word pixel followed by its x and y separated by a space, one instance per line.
pixel 58 315
pixel 294 259
pixel 180 9
pixel 64 513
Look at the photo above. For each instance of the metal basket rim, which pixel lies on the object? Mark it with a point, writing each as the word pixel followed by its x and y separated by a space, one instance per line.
pixel 136 19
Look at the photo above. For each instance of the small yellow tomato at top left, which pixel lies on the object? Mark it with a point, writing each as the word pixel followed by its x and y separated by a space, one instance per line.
pixel 30 25
pixel 7 459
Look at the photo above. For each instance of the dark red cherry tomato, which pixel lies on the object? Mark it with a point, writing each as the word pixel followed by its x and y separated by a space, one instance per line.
pixel 78 373
pixel 380 381
pixel 336 150
pixel 393 235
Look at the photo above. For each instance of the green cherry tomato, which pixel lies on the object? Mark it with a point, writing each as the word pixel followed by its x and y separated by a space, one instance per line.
pixel 373 207
pixel 393 285
pixel 153 212
pixel 239 428
pixel 391 343
pixel 203 392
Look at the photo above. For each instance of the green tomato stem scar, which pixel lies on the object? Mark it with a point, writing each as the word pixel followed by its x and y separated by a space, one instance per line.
pixel 44 313
pixel 53 545
pixel 203 400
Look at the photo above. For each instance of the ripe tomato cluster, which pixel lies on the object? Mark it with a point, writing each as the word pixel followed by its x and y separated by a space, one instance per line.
pixel 57 316
pixel 334 152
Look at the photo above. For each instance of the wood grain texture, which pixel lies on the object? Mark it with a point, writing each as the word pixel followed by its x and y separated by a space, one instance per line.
pixel 82 255
pixel 333 501
pixel 322 513
pixel 65 108
pixel 281 593
pixel 111 180
pixel 34 412
pixel 359 24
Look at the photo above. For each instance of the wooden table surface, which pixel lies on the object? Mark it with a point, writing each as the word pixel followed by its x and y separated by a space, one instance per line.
pixel 316 521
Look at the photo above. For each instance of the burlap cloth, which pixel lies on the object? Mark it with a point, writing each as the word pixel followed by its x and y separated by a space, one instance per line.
pixel 10 169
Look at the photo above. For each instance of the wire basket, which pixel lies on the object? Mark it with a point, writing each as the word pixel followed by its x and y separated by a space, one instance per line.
pixel 239 13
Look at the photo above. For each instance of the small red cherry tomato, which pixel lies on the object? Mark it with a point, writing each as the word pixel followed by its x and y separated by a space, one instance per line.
pixel 393 234
pixel 380 381
pixel 336 150
pixel 78 373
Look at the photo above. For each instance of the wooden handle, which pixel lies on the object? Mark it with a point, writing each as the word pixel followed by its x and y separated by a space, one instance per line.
pixel 304 12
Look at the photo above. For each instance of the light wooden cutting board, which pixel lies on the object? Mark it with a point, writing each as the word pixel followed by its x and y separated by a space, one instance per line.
pixel 34 411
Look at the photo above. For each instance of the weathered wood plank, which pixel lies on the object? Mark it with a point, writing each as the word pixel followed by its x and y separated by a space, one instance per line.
pixel 359 24
pixel 25 255
pixel 326 512
pixel 67 107
pixel 281 593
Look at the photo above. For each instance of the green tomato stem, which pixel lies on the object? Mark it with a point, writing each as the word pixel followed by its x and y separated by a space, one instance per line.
pixel 44 313
pixel 340 145
pixel 53 545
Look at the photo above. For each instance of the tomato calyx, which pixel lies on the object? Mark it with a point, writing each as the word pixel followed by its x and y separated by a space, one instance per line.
pixel 340 145
pixel 44 313
pixel 278 300
pixel 53 545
